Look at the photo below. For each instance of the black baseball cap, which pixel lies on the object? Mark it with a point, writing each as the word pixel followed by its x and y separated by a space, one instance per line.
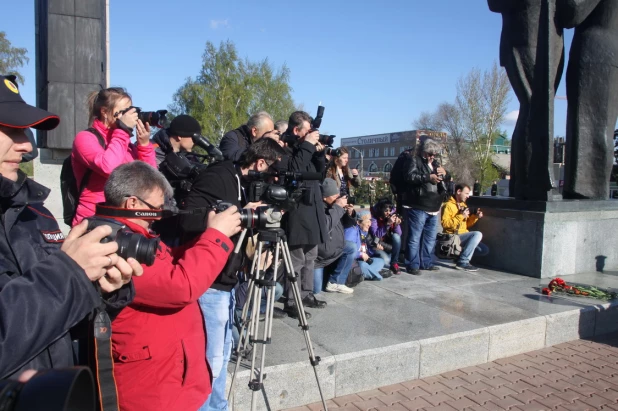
pixel 14 112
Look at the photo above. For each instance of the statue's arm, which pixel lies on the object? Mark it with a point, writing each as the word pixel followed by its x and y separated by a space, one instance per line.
pixel 574 12
pixel 503 6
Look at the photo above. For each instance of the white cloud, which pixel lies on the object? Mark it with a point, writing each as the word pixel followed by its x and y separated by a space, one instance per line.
pixel 215 24
pixel 511 118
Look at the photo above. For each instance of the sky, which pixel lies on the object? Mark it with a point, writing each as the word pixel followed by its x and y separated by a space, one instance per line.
pixel 374 65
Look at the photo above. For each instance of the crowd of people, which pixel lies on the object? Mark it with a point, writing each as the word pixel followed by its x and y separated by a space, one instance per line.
pixel 167 272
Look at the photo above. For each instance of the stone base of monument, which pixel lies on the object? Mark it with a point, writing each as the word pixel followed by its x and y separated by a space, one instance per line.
pixel 546 239
pixel 47 167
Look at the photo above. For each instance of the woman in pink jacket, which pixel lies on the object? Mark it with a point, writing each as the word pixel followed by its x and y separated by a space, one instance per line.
pixel 115 124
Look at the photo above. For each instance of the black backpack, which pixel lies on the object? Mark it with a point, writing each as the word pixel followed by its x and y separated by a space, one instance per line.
pixel 398 172
pixel 68 184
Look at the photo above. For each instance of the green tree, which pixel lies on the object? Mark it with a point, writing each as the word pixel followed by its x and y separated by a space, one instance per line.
pixel 11 58
pixel 228 90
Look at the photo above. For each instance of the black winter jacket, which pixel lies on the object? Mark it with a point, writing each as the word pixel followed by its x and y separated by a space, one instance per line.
pixel 235 142
pixel 43 292
pixel 306 225
pixel 220 181
pixel 420 193
pixel 333 246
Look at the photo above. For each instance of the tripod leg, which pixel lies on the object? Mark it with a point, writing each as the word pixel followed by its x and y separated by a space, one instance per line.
pixel 302 318
pixel 247 324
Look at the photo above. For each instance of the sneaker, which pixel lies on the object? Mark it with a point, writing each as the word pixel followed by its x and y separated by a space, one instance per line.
pixel 338 288
pixel 386 273
pixel 395 268
pixel 466 267
pixel 431 268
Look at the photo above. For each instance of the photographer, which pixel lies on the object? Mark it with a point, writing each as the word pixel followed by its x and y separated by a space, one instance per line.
pixel 235 142
pixel 176 143
pixel 158 334
pixel 386 231
pixel 339 171
pixel 305 226
pixel 357 234
pixel 224 181
pixel 335 251
pixel 47 281
pixel 106 145
pixel 457 218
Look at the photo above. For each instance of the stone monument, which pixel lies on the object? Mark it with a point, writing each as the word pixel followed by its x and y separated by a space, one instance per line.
pixel 71 61
pixel 538 233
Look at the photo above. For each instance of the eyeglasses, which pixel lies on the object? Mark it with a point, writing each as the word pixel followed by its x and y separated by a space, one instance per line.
pixel 150 206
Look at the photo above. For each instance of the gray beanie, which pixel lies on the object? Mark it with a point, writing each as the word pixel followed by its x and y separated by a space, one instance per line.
pixel 329 187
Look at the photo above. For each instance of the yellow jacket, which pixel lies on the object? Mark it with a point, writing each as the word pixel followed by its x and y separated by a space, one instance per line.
pixel 453 222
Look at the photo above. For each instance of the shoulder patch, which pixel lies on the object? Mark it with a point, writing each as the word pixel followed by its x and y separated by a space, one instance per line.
pixel 53 236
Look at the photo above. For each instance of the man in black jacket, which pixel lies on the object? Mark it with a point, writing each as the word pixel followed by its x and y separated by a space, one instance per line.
pixel 225 181
pixel 46 280
pixel 422 200
pixel 306 225
pixel 235 142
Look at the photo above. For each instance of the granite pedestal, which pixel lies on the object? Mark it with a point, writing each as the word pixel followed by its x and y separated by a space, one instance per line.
pixel 546 239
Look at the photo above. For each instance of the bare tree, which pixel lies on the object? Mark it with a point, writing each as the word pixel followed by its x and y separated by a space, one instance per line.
pixel 482 99
pixel 426 121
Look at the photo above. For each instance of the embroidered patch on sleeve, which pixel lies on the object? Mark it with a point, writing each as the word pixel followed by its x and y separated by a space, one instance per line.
pixel 53 236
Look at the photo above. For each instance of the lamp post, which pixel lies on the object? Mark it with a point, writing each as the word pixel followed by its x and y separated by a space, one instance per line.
pixel 362 158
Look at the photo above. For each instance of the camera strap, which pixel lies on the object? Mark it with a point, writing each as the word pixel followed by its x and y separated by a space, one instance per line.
pixel 142 214
pixel 107 394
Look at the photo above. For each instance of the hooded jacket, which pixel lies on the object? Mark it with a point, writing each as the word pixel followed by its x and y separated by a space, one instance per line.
pixel 88 154
pixel 333 246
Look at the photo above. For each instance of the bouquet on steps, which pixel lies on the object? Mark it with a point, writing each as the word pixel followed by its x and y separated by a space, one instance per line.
pixel 558 285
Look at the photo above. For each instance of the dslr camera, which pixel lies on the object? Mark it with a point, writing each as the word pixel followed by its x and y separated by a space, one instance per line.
pixel 130 244
pixel 473 210
pixel 325 139
pixel 386 246
pixel 154 118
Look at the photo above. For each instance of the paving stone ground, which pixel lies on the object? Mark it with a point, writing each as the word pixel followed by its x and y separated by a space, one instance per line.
pixel 579 375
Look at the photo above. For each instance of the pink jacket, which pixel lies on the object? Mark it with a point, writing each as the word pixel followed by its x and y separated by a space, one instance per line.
pixel 88 154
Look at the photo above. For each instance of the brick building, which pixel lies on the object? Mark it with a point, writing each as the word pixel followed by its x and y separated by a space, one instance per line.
pixel 377 153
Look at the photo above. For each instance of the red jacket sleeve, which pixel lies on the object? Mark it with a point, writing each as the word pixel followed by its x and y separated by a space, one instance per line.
pixel 88 151
pixel 171 283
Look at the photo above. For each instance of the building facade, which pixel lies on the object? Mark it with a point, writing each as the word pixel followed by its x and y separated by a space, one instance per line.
pixel 376 154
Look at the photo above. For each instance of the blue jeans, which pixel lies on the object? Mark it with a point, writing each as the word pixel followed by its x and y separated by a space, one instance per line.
pixel 218 309
pixel 372 271
pixel 422 231
pixel 471 245
pixel 342 269
pixel 395 242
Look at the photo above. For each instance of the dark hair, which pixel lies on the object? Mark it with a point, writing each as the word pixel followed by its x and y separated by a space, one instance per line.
pixel 264 148
pixel 460 186
pixel 105 98
pixel 381 206
pixel 296 120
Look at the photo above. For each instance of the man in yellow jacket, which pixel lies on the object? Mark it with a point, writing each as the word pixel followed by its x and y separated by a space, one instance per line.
pixel 457 218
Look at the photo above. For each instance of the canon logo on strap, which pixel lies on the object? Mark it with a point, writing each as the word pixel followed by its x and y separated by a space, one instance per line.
pixel 146 214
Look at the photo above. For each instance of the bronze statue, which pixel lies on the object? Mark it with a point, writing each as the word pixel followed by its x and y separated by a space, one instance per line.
pixel 592 93
pixel 532 53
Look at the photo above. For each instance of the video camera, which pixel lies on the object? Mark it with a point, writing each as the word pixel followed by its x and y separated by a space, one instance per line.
pixel 260 218
pixel 130 244
pixel 154 118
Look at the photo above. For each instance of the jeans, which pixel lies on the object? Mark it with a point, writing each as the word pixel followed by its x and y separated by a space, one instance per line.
pixel 471 245
pixel 218 309
pixel 372 271
pixel 395 242
pixel 422 231
pixel 342 268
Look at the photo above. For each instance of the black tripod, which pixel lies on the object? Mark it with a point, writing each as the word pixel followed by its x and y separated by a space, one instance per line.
pixel 269 240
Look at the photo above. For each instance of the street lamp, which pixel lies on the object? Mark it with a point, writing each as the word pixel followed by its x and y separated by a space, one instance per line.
pixel 362 158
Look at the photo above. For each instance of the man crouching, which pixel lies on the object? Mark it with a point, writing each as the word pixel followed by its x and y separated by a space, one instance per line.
pixel 158 351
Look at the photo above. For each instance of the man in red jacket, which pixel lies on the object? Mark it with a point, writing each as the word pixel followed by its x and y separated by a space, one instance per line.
pixel 157 341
